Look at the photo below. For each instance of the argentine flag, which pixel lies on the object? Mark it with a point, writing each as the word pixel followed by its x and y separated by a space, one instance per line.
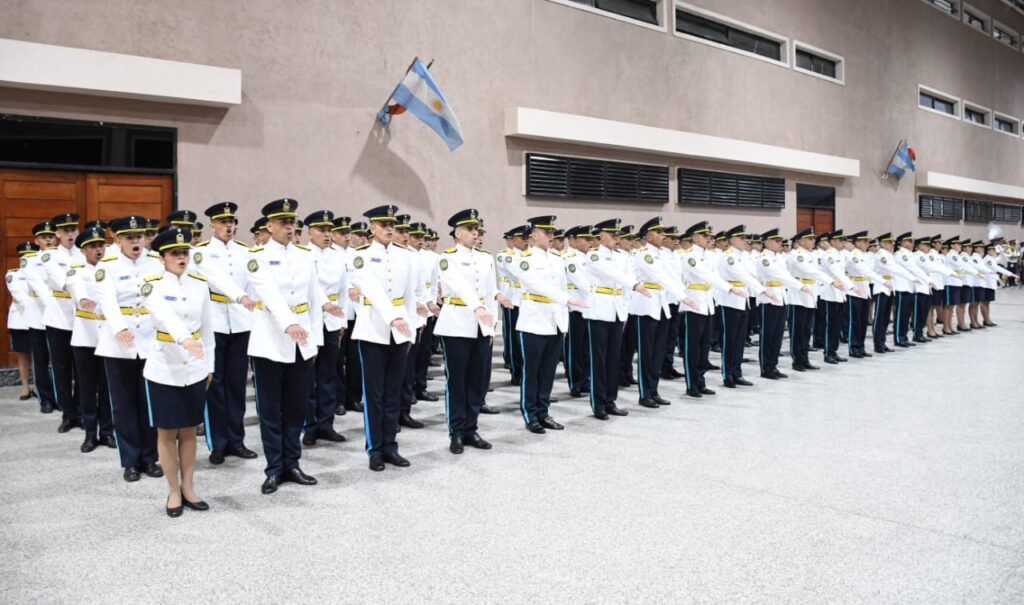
pixel 419 94
pixel 902 160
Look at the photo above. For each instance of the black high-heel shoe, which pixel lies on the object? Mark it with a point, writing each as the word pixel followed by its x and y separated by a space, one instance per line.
pixel 30 395
pixel 175 512
pixel 200 505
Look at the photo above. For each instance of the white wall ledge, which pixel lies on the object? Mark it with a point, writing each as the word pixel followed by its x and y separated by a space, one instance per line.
pixel 960 184
pixel 538 124
pixel 80 71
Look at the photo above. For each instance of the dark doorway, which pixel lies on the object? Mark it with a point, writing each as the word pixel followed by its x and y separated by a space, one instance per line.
pixel 815 207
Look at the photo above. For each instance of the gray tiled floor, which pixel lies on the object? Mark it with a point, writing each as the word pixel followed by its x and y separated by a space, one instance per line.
pixel 892 480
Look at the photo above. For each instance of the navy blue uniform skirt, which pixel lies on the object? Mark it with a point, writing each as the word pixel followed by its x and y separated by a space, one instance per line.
pixel 21 341
pixel 175 407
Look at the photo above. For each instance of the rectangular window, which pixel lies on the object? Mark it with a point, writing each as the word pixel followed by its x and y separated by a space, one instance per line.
pixel 584 178
pixel 947 6
pixel 1006 124
pixel 934 100
pixel 700 25
pixel 818 62
pixel 728 189
pixel 940 207
pixel 1005 34
pixel 977 115
pixel 641 10
pixel 977 212
pixel 1006 213
pixel 977 19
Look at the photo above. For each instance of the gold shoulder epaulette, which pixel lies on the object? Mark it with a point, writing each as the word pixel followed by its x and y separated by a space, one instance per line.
pixel 399 245
pixel 525 253
pixel 153 254
pixel 77 266
pixel 203 243
pixel 255 248
pixel 197 276
pixel 303 247
pixel 479 249
pixel 450 250
pixel 107 259
pixel 238 241
pixel 363 247
pixel 154 277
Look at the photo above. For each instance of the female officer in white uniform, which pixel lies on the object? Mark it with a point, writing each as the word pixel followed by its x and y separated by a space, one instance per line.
pixel 179 365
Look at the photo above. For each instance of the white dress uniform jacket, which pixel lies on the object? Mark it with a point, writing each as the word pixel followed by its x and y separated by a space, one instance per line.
pixel 81 285
pixel 654 274
pixel 389 283
pixel 23 308
pixel 57 262
pixel 577 277
pixel 776 278
pixel 332 273
pixel 544 293
pixel 952 261
pixel 732 268
pixel 223 266
pixel 803 264
pixel 703 283
pixel 283 278
pixel 468 281
pixel 180 308
pixel 31 267
pixel 905 259
pixel 610 280
pixel 119 282
pixel 832 264
pixel 858 267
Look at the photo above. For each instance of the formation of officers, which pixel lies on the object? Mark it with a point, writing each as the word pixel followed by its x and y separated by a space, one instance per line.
pixel 140 339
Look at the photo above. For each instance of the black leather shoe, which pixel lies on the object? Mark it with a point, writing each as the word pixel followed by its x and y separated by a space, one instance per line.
pixel 888 350
pixel 811 367
pixel 552 399
pixel 270 484
pixel 217 457
pixel 395 459
pixel 841 359
pixel 768 375
pixel 131 474
pixel 744 382
pixel 694 393
pixel 406 420
pixel 616 411
pixel 475 440
pixel 340 410
pixel 864 354
pixel 425 396
pixel 153 470
pixel 601 415
pixel 648 403
pixel 676 373
pixel 831 360
pixel 46 408
pixel 903 345
pixel 330 435
pixel 109 441
pixel 857 355
pixel 309 439
pixel 455 446
pixel 535 427
pixel 197 505
pixel 241 452
pixel 89 444
pixel 778 374
pixel 712 366
pixel 880 351
pixel 174 512
pixel 658 399
pixel 355 406
pixel 575 394
pixel 799 367
pixel 65 426
pixel 486 409
pixel 729 383
pixel 296 475
pixel 376 463
pixel 920 339
pixel 549 423
pixel 706 391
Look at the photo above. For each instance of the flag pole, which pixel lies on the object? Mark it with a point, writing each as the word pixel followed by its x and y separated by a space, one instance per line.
pixel 407 69
pixel 885 173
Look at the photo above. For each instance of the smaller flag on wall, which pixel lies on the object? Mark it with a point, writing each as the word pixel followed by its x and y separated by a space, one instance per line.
pixel 901 161
pixel 418 94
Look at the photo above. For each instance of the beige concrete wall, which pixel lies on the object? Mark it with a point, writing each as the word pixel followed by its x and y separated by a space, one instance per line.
pixel 315 72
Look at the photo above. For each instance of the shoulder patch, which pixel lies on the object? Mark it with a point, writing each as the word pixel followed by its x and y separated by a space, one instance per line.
pixel 358 262
pixel 524 265
pixel 595 257
pixel 71 273
pixel 10 278
pixel 46 257
pixel 252 265
pixel 146 289
pixel 363 247
pixel 649 259
pixel 153 277
pixel 197 276
pixel 23 262
pixel 198 257
pixel 765 262
pixel 107 259
pixel 884 260
pixel 799 259
pixel 572 267
pixel 731 260
pixel 450 250
pixel 100 274
pixel 693 262
pixel 256 249
pixel 444 264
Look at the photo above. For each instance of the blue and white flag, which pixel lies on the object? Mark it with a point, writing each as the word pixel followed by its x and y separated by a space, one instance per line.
pixel 902 161
pixel 419 94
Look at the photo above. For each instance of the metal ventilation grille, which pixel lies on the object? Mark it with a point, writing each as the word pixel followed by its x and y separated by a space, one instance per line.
pixel 940 207
pixel 727 189
pixel 559 176
pixel 1006 213
pixel 977 212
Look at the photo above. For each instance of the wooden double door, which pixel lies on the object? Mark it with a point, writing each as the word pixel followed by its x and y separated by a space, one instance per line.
pixel 822 219
pixel 28 197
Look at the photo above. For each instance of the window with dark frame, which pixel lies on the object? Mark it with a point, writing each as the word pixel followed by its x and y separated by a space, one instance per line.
pixel 708 29
pixel 584 178
pixel 1005 125
pixel 1004 36
pixel 729 189
pixel 945 6
pixel 1007 213
pixel 975 21
pixel 641 10
pixel 931 101
pixel 815 63
pixel 977 212
pixel 940 207
pixel 973 115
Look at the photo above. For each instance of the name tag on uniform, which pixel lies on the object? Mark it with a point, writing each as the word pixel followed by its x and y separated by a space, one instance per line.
pixel 275 262
pixel 375 260
pixel 170 298
pixel 467 264
pixel 123 277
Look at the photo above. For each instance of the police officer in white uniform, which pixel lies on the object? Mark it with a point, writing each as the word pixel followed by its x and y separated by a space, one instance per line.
pixel 466 327
pixel 776 278
pixel 221 260
pixel 388 280
pixel 31 267
pixel 858 268
pixel 286 330
pixel 123 344
pixel 803 264
pixel 93 393
pixel 22 315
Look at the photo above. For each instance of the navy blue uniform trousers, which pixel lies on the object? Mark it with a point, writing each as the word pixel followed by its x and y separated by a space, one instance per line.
pixel 136 440
pixel 225 399
pixel 383 370
pixel 282 396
